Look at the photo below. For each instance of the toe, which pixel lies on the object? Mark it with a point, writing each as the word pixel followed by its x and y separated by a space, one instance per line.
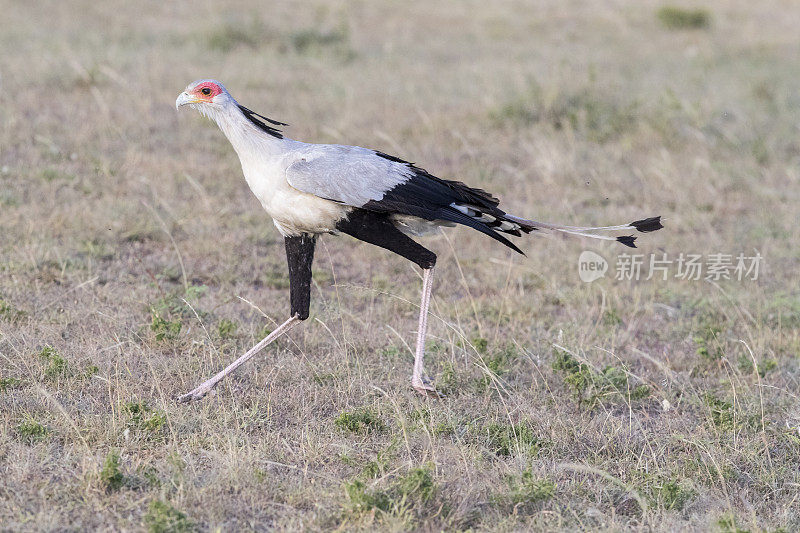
pixel 427 389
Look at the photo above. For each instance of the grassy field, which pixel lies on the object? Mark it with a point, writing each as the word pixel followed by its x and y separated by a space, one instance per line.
pixel 135 262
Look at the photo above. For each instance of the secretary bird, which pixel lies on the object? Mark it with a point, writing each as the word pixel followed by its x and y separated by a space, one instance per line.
pixel 312 189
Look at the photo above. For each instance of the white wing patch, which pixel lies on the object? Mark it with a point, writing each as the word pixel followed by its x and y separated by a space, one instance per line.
pixel 350 175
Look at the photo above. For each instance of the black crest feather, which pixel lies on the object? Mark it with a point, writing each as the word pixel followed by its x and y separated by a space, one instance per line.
pixel 259 121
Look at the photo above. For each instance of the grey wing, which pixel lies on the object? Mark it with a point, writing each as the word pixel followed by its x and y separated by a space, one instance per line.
pixel 350 175
pixel 382 183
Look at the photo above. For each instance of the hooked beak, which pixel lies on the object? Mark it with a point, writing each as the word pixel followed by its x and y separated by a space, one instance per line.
pixel 185 98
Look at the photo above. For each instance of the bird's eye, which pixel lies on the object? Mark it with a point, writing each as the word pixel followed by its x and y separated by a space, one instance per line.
pixel 206 91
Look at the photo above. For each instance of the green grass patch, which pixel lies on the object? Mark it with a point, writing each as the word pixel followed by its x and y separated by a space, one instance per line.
pixel 507 439
pixel 611 318
pixel 678 18
pixel 56 366
pixel 590 387
pixel 406 495
pixel 164 329
pixel 722 415
pixel 168 312
pixel 30 431
pixel 480 344
pixel 361 421
pixel 746 365
pixel 161 517
pixel 672 494
pixel 110 475
pixel 497 365
pixel 10 383
pixel 707 342
pixel 447 382
pixel 141 416
pixel 226 329
pixel 363 499
pixel 524 491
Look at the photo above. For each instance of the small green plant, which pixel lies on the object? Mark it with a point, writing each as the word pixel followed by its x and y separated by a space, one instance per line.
pixel 505 440
pixel 448 378
pixel 722 415
pixel 10 383
pixel 91 370
pixel 526 489
pixel 362 421
pixel 611 318
pixel 497 365
pixel 111 476
pixel 167 314
pixel 416 485
pixel 391 351
pixel 707 340
pixel 31 431
pixel 678 18
pixel 161 517
pixel 590 387
pixel 577 376
pixel 363 499
pixel 672 494
pixel 226 329
pixel 141 416
pixel 480 344
pixel 409 491
pixel 746 365
pixel 164 329
pixel 57 366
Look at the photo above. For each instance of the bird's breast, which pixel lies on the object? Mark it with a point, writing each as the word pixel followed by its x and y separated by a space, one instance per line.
pixel 293 211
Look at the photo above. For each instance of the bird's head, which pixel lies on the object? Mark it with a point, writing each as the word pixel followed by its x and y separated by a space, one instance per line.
pixel 207 96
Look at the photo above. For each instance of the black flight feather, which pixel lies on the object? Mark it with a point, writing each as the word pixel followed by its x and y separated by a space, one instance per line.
pixel 429 197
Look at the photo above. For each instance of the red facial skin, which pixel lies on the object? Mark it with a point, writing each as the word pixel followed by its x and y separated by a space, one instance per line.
pixel 206 91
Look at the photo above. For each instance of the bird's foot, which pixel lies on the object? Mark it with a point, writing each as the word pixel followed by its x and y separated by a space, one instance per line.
pixel 197 393
pixel 425 387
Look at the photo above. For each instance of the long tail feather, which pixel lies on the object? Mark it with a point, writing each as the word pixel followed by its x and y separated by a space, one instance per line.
pixel 494 222
pixel 645 225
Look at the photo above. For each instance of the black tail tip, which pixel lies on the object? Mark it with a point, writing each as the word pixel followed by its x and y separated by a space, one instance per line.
pixel 647 225
pixel 627 240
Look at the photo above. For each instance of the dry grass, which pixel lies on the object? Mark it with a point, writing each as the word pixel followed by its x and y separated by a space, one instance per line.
pixel 134 262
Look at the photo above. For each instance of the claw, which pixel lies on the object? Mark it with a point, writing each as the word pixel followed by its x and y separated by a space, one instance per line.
pixel 426 388
pixel 196 394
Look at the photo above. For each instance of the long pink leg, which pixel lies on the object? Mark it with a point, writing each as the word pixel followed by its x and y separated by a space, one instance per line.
pixel 206 386
pixel 418 380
